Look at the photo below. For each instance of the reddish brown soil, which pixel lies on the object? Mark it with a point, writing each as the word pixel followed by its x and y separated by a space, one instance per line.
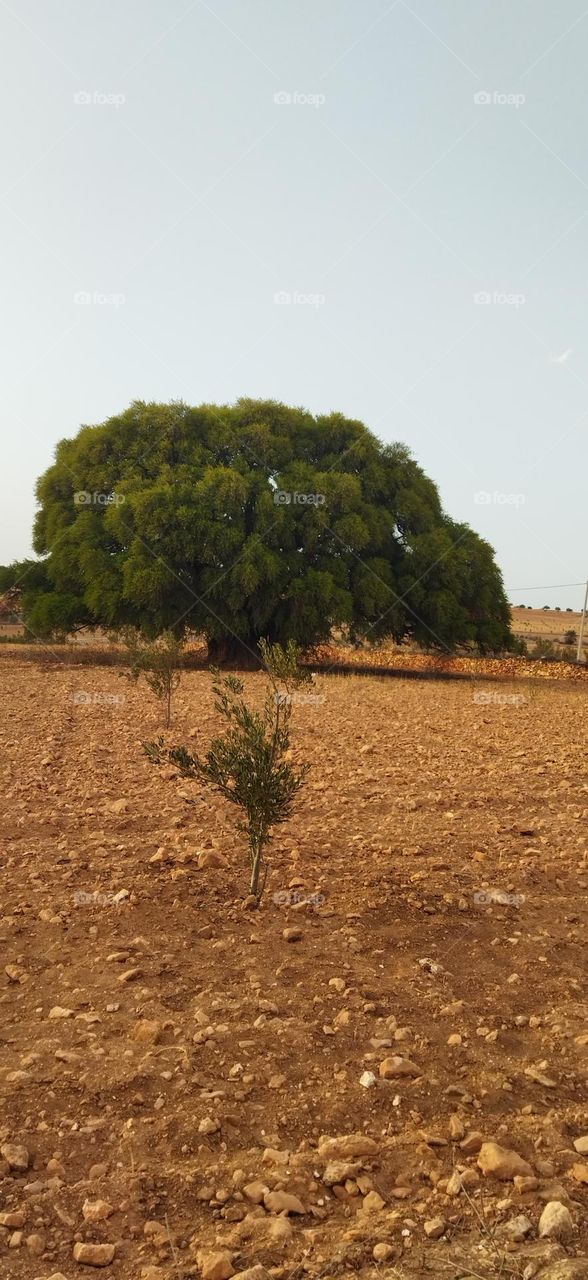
pixel 421 798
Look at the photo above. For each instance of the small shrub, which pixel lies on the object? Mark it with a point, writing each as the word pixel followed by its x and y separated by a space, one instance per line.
pixel 571 637
pixel 519 647
pixel 544 649
pixel 159 661
pixel 248 764
pixel 568 653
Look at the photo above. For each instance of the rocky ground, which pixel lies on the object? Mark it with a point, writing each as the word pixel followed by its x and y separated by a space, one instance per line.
pixel 383 1072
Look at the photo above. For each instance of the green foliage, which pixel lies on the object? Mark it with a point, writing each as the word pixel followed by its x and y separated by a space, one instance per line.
pixel 179 527
pixel 159 662
pixel 571 637
pixel 544 649
pixel 247 764
pixel 519 647
pixel 49 613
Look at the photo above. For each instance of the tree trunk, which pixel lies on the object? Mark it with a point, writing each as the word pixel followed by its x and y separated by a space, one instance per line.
pixel 259 868
pixel 233 652
pixel 255 870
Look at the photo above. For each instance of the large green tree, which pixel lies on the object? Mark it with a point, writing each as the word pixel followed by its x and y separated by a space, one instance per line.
pixel 168 516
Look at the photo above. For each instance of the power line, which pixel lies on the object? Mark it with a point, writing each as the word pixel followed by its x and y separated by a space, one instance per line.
pixel 555 586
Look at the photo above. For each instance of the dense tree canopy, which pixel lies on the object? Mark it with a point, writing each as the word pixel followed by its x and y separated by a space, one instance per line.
pixel 253 520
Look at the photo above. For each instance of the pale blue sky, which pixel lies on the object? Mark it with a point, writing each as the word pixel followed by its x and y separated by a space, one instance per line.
pixel 382 200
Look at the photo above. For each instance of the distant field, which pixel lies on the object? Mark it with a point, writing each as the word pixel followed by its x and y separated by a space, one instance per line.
pixel 544 623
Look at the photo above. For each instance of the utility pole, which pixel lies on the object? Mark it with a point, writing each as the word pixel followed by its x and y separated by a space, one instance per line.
pixel 581 635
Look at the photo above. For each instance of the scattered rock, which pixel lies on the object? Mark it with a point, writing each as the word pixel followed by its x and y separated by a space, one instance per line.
pixel 215 1266
pixel 516 1229
pixel 146 1031
pixel 277 1082
pixel 35 1244
pixel 292 934
pixel 211 858
pixel 13 972
pixel 15 1218
pixel 471 1144
pixel 501 1162
pixel 383 1252
pixel 456 1128
pixel 581 1146
pixel 392 1068
pixel 347 1147
pixel 539 1077
pixel 129 976
pixel 283 1202
pixel 253 1273
pixel 373 1203
pixel 467 1178
pixel 565 1269
pixel 338 1171
pixel 434 1228
pixel 255 1191
pixel 118 806
pixel 271 1156
pixel 525 1184
pixel 94 1255
pixel 16 1156
pixel 96 1210
pixel 208 1125
pixel 556 1222
pixel 155 1231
